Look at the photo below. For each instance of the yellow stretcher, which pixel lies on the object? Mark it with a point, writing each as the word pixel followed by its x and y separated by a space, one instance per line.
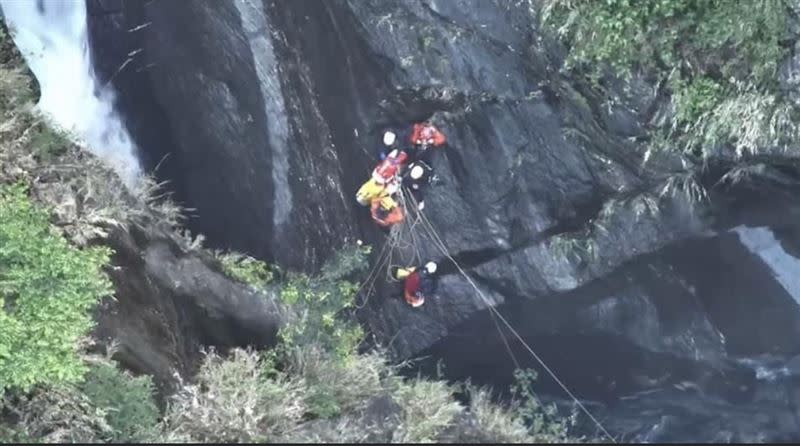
pixel 372 190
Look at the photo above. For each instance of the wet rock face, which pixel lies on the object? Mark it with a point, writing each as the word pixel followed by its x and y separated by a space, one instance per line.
pixel 171 302
pixel 270 154
pixel 200 84
pixel 270 113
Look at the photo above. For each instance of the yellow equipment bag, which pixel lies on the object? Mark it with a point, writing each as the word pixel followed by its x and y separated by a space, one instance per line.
pixel 402 273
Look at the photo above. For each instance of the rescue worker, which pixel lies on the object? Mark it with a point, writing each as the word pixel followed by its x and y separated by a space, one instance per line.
pixel 386 211
pixel 420 283
pixel 388 169
pixel 417 178
pixel 390 143
pixel 423 137
pixel 384 179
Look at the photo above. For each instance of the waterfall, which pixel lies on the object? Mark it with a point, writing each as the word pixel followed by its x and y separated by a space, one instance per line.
pixel 762 242
pixel 52 37
pixel 255 24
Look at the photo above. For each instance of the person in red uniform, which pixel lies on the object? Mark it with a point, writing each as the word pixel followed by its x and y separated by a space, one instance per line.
pixel 419 283
pixel 424 136
pixel 387 170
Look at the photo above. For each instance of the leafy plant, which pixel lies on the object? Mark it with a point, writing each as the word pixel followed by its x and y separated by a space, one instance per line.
pixel 428 409
pixel 48 142
pixel 127 401
pixel 238 399
pixel 322 302
pixel 713 53
pixel 696 98
pixel 47 291
pixel 542 422
pixel 246 269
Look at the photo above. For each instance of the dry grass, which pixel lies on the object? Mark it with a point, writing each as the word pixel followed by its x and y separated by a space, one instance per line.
pixel 754 122
pixel 86 195
pixel 233 401
pixel 428 410
pixel 338 385
pixel 496 422
pixel 60 415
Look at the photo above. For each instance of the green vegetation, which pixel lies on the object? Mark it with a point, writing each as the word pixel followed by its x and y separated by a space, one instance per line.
pixel 108 406
pixel 127 401
pixel 246 269
pixel 47 291
pixel 47 142
pixel 544 424
pixel 323 304
pixel 428 409
pixel 718 57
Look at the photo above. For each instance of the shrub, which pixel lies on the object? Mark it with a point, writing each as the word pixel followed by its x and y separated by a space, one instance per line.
pixel 239 399
pixel 47 142
pixel 543 424
pixel 59 414
pixel 720 37
pixel 495 422
pixel 131 413
pixel 322 304
pixel 714 55
pixel 246 269
pixel 428 409
pixel 337 385
pixel 47 291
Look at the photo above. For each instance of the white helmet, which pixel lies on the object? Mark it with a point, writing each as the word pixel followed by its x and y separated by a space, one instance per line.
pixel 431 267
pixel 389 138
pixel 417 171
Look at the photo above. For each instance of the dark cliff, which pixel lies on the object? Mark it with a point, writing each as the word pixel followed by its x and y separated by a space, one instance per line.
pixel 630 283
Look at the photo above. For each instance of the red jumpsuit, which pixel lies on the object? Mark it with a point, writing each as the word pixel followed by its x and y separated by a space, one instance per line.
pixel 427 134
pixel 411 291
pixel 388 169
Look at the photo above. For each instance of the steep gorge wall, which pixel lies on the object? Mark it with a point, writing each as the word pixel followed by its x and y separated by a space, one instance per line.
pixel 199 82
pixel 270 110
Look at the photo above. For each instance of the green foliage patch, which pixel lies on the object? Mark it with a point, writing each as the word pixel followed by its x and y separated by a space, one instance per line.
pixel 246 269
pixel 127 401
pixel 710 52
pixel 47 291
pixel 322 301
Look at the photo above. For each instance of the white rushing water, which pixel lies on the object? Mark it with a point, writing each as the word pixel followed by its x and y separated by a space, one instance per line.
pixel 253 21
pixel 785 267
pixel 52 36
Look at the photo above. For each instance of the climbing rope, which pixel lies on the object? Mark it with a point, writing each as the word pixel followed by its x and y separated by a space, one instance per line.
pixel 410 198
pixel 372 277
pixel 386 257
pixel 440 244
pixel 396 235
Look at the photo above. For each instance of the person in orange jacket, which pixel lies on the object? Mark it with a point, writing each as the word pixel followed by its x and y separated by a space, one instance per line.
pixel 386 211
pixel 424 136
